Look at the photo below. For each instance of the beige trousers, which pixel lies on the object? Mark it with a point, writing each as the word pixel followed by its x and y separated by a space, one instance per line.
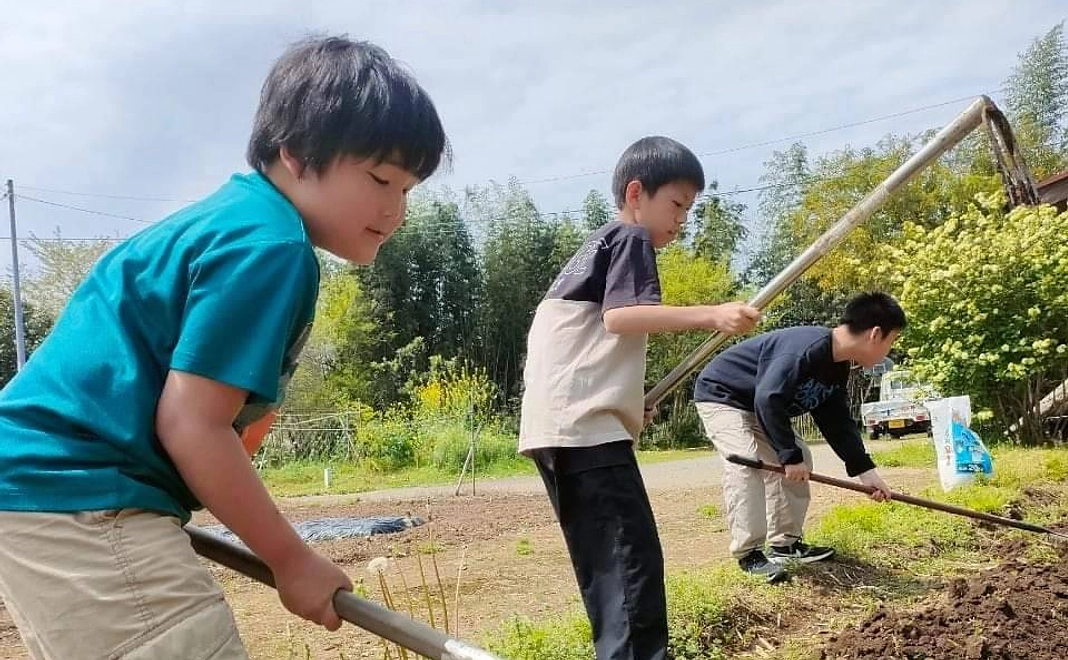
pixel 761 506
pixel 105 585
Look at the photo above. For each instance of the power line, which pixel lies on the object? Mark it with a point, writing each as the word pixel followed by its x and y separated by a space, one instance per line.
pixel 475 220
pixel 69 239
pixel 83 210
pixel 564 177
pixel 470 220
pixel 787 138
pixel 137 198
pixel 442 228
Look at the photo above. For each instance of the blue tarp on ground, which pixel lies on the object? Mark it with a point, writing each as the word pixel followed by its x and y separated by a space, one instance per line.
pixel 332 529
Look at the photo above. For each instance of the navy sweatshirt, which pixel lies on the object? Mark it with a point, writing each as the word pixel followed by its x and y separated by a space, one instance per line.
pixel 783 374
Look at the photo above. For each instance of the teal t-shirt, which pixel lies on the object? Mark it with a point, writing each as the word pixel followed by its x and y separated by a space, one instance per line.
pixel 224 289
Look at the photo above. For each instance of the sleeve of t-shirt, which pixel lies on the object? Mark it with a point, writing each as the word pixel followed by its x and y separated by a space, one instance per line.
pixel 631 277
pixel 245 304
pixel 836 424
pixel 776 385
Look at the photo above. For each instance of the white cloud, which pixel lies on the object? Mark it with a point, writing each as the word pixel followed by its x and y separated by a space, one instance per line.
pixel 156 99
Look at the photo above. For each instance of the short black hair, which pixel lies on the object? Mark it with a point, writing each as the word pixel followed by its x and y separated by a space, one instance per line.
pixel 328 97
pixel 871 310
pixel 655 161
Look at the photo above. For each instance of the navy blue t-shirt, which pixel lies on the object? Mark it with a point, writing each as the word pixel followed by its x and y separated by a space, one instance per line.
pixel 784 374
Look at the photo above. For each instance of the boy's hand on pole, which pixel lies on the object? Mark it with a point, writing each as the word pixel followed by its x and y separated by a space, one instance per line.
pixel 872 479
pixel 734 318
pixel 649 416
pixel 796 472
pixel 307 583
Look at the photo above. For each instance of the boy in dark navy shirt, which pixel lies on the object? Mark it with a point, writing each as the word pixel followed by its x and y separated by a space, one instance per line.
pixel 746 397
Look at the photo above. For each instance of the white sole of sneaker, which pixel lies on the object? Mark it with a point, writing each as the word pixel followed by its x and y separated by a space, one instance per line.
pixel 811 559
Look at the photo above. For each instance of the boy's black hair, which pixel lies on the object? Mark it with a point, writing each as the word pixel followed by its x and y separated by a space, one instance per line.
pixel 655 161
pixel 873 309
pixel 330 97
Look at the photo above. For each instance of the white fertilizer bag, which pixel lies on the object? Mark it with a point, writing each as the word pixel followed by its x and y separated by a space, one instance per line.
pixel 961 454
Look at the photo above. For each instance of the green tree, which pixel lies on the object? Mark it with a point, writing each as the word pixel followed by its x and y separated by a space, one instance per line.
pixel 523 253
pixel 719 226
pixel 62 265
pixel 685 279
pixel 823 191
pixel 596 211
pixel 844 177
pixel 426 281
pixel 986 294
pixel 338 363
pixel 784 179
pixel 1037 97
pixel 36 323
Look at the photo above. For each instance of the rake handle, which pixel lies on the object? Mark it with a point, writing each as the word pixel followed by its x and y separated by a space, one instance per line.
pixel 403 630
pixel 899 497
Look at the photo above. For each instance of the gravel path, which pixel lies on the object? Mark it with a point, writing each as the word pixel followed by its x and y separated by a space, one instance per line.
pixel 683 474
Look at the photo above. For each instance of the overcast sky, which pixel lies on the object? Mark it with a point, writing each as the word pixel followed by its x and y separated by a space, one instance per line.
pixel 155 99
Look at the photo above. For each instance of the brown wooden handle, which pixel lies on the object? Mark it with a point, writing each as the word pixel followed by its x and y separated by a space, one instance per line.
pixel 396 627
pixel 899 497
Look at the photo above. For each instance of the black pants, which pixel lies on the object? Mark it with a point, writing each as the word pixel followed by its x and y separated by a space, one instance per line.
pixel 604 512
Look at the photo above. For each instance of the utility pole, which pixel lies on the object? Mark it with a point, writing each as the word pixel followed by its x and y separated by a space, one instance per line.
pixel 16 294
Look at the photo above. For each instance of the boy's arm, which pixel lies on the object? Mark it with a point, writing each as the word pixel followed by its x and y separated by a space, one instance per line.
pixel 776 384
pixel 836 424
pixel 194 420
pixel 631 303
pixel 730 318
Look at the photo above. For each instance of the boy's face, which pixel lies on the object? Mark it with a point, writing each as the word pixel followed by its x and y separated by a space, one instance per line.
pixel 663 213
pixel 876 346
pixel 353 206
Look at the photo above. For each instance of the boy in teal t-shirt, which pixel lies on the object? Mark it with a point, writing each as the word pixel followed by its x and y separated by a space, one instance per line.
pixel 131 414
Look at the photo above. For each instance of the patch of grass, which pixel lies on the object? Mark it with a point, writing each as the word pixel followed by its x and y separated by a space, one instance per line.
pixel 980 496
pixel 713 612
pixel 300 478
pixel 523 548
pixel 1018 467
pixel 711 615
pixel 892 534
pixel 306 477
pixel 917 453
pixel 566 638
pixel 710 511
pixel 900 535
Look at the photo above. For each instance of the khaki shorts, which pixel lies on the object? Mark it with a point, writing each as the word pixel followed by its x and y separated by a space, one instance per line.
pixel 106 585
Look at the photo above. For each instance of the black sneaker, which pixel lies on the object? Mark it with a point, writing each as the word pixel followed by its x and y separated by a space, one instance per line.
pixel 802 553
pixel 755 563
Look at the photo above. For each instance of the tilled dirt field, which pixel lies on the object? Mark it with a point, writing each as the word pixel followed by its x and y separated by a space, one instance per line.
pixel 508 553
pixel 1015 610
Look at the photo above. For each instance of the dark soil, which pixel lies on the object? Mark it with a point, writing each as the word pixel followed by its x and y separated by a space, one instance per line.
pixel 1015 610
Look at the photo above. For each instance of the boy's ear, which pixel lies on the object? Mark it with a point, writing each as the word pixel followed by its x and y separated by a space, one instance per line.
pixel 632 192
pixel 876 335
pixel 293 165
